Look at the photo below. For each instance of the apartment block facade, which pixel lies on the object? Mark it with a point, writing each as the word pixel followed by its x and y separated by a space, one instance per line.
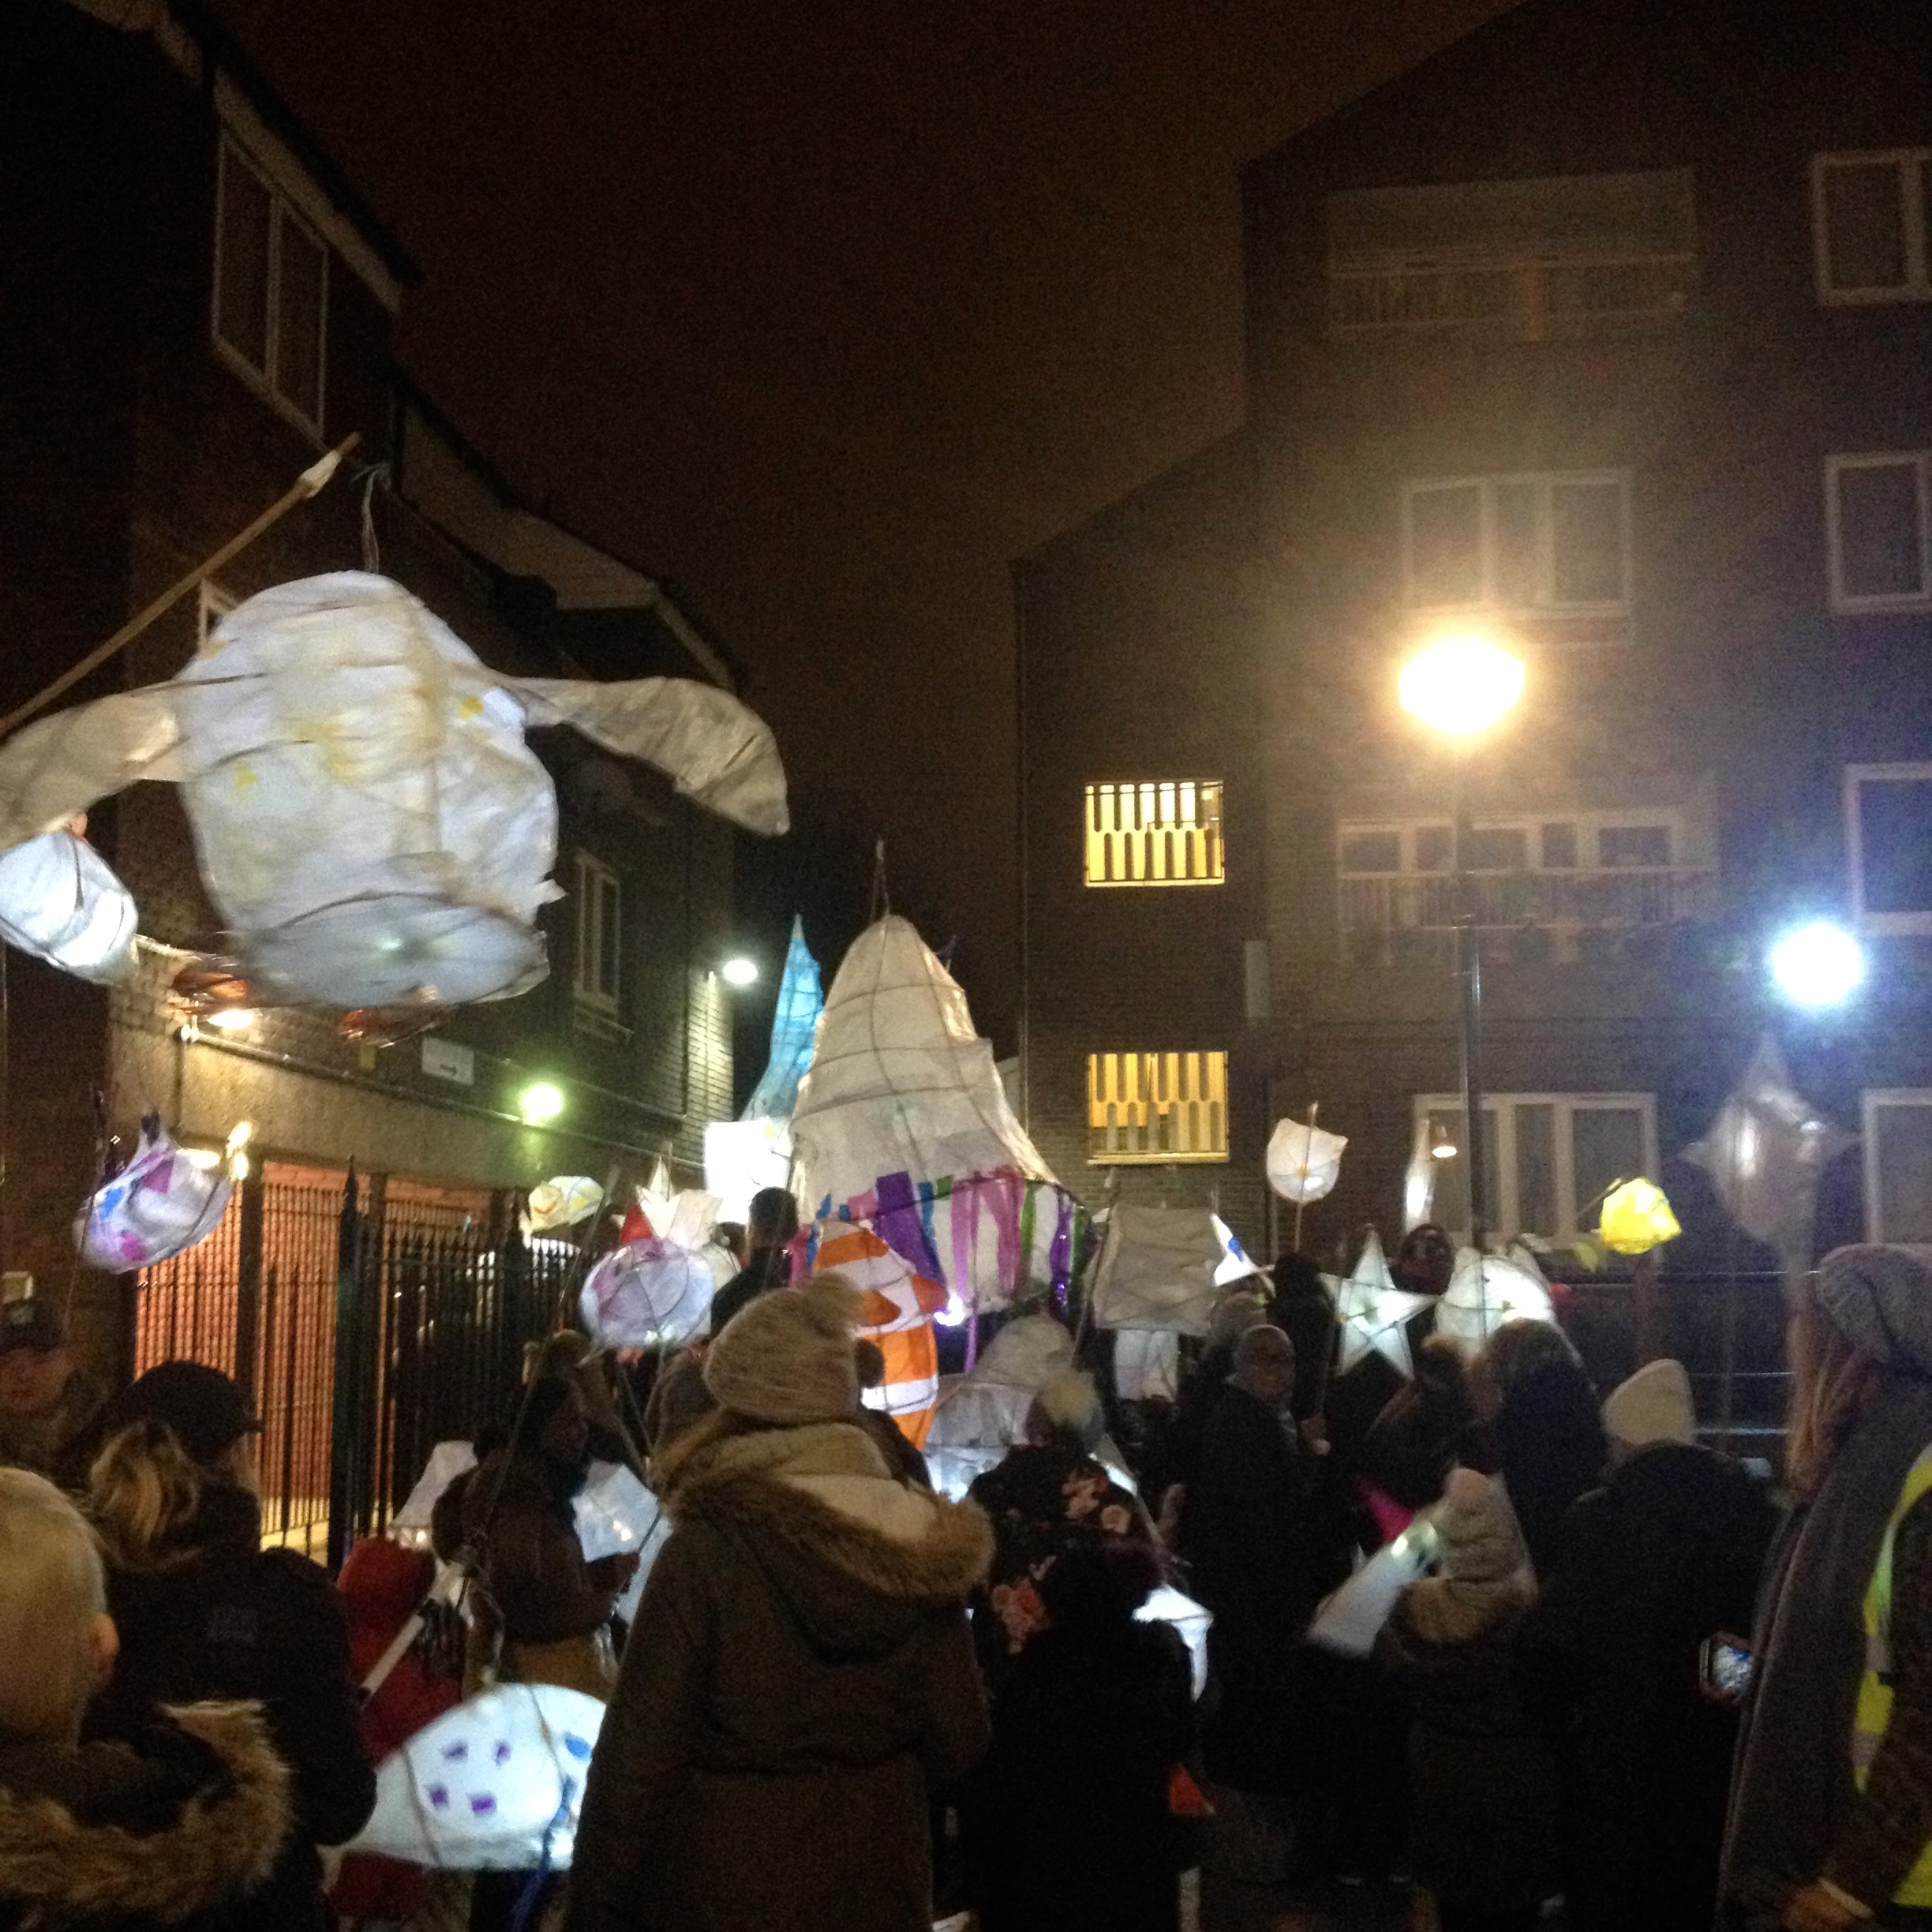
pixel 198 306
pixel 1608 332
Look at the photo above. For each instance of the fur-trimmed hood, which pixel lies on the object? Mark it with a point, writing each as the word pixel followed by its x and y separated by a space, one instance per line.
pixel 859 1556
pixel 101 1834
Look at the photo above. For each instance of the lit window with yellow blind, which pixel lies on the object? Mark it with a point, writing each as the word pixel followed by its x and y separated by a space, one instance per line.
pixel 1157 1106
pixel 1163 832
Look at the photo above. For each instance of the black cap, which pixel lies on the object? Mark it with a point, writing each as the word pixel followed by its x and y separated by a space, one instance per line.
pixel 30 1323
pixel 202 1406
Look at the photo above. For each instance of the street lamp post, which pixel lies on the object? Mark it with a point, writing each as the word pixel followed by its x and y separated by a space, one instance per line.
pixel 1460 685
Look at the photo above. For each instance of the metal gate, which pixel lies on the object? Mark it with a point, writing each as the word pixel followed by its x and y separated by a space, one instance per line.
pixel 369 1318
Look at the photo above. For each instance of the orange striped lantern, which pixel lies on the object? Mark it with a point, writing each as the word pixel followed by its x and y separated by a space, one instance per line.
pixel 898 1312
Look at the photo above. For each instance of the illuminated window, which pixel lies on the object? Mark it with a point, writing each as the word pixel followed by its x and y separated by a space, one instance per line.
pixel 1556 545
pixel 1163 833
pixel 600 934
pixel 1871 226
pixel 1878 516
pixel 1157 1106
pixel 271 290
pixel 1548 1158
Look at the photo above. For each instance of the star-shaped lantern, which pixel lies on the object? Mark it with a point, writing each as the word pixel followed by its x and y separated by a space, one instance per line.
pixel 1373 1312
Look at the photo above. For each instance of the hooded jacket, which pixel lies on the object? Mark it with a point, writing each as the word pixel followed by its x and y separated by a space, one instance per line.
pixel 172 1831
pixel 1795 1812
pixel 799 1674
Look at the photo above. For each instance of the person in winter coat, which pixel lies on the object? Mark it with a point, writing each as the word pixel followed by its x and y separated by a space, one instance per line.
pixel 1830 1823
pixel 381 1585
pixel 800 1672
pixel 1425 1430
pixel 1044 1492
pixel 554 1608
pixel 172 1829
pixel 1546 1437
pixel 1663 1558
pixel 1067 1823
pixel 1206 1383
pixel 1249 1528
pixel 1483 1815
pixel 204 1613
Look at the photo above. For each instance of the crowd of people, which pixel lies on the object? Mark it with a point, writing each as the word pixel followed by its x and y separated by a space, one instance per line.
pixel 1608 1674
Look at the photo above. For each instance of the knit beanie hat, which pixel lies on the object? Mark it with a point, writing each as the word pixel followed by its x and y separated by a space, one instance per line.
pixel 1481 1542
pixel 1654 1406
pixel 787 1357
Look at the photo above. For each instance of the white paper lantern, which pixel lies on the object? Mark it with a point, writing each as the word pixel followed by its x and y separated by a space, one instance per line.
pixel 411 1523
pixel 159 1205
pixel 370 822
pixel 1303 1161
pixel 60 901
pixel 743 1157
pixel 561 1202
pixel 496 1784
pixel 1487 1290
pixel 648 1293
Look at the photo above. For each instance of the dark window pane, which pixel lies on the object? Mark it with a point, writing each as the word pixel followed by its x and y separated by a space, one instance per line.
pixel 1864 225
pixel 1607 1144
pixel 1516 582
pixel 1435 848
pixel 242 293
pixel 1449 1196
pixel 1559 848
pixel 610 931
pixel 1895 833
pixel 298 338
pixel 1372 851
pixel 1536 1168
pixel 1634 845
pixel 1878 548
pixel 1445 544
pixel 1586 535
pixel 1496 848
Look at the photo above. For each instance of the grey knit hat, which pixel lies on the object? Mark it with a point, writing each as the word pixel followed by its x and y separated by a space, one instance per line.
pixel 787 1357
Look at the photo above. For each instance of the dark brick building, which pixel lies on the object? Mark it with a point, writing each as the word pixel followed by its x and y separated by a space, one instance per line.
pixel 195 305
pixel 1610 329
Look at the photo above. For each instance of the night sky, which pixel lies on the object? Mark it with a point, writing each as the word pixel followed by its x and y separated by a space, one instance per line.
pixel 826 314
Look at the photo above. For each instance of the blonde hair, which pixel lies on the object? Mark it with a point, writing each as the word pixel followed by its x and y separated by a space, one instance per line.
pixel 51 1588
pixel 143 1488
pixel 1830 1378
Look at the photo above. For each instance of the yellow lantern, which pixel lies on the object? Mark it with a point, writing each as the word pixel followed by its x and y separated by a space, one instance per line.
pixel 1637 1218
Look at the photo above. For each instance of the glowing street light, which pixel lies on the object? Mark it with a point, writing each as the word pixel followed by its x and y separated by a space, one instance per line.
pixel 539 1103
pixel 1462 683
pixel 1817 965
pixel 739 972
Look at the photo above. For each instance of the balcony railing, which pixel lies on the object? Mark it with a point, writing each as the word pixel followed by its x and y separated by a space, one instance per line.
pixel 1377 910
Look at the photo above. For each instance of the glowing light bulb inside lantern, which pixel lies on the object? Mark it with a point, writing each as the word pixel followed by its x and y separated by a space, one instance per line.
pixel 541 1102
pixel 1462 683
pixel 739 972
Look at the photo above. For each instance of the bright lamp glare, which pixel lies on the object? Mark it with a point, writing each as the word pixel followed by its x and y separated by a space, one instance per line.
pixel 1817 965
pixel 541 1103
pixel 739 972
pixel 1462 683
pixel 233 1019
pixel 1443 1150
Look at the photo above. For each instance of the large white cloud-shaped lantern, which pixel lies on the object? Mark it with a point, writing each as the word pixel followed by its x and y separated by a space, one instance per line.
pixel 370 822
pixel 60 901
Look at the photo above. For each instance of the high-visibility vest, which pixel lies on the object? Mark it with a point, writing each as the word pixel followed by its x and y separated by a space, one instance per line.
pixel 1875 1703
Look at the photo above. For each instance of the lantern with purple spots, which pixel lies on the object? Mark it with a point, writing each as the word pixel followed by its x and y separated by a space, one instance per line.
pixel 494 1785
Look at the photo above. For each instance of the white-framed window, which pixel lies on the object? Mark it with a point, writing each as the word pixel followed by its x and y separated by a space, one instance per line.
pixel 1160 832
pixel 1889 845
pixel 599 971
pixel 1551 1157
pixel 1156 1107
pixel 1898 1164
pixel 1878 526
pixel 270 313
pixel 1549 544
pixel 1871 225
